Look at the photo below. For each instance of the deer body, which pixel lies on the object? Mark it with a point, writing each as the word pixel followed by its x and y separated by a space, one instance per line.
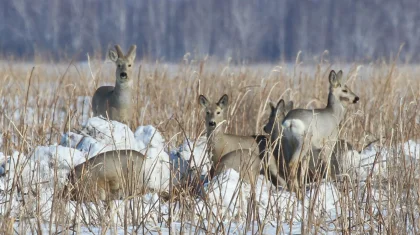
pixel 306 129
pixel 115 102
pixel 241 153
pixel 107 176
pixel 222 143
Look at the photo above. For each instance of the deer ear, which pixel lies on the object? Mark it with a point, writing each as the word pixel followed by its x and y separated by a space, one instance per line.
pixel 131 55
pixel 112 55
pixel 203 101
pixel 333 79
pixel 223 102
pixel 340 78
pixel 272 105
pixel 280 104
pixel 288 107
pixel 279 110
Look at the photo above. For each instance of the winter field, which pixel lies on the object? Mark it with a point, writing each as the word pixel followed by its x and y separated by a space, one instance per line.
pixel 46 129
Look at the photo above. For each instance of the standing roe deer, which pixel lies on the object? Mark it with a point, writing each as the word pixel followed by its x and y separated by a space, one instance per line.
pixel 305 129
pixel 276 164
pixel 241 153
pixel 115 102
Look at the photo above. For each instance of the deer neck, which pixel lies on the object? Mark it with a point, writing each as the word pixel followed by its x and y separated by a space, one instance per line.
pixel 276 138
pixel 214 138
pixel 122 94
pixel 334 105
pixel 275 132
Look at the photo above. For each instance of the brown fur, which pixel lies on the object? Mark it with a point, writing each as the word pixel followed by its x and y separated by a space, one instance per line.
pixel 107 176
pixel 241 153
pixel 115 102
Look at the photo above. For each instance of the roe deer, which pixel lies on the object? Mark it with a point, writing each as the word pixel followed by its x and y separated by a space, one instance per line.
pixel 241 153
pixel 276 164
pixel 304 129
pixel 107 176
pixel 115 102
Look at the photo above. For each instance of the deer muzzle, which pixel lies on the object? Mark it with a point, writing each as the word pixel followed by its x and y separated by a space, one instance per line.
pixel 356 99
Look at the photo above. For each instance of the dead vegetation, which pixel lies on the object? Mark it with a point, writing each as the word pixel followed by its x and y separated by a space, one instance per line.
pixel 40 101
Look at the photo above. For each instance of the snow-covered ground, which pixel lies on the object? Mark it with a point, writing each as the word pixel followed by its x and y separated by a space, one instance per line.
pixel 226 196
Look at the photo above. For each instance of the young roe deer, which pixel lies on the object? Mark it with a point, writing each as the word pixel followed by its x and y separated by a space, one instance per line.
pixel 276 164
pixel 241 153
pixel 115 102
pixel 107 176
pixel 306 129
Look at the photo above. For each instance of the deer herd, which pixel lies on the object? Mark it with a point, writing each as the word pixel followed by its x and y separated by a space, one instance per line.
pixel 299 145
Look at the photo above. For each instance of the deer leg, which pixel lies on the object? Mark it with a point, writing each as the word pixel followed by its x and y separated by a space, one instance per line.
pixel 275 174
pixel 330 170
pixel 294 178
pixel 114 188
pixel 102 194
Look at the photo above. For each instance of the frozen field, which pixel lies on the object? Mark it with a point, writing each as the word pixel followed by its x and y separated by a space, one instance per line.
pixel 45 133
pixel 225 196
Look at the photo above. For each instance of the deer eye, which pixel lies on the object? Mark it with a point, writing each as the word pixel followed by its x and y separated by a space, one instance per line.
pixel 119 66
pixel 218 112
pixel 208 112
pixel 129 65
pixel 345 91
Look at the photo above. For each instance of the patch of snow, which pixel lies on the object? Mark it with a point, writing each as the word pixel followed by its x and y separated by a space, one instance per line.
pixel 48 162
pixel 158 171
pixel 3 160
pixel 111 133
pixel 195 153
pixel 47 168
pixel 148 136
pixel 180 169
pixel 158 165
pixel 101 135
pixel 350 164
pixel 412 149
pixel 93 146
pixel 229 196
pixel 368 164
pixel 71 139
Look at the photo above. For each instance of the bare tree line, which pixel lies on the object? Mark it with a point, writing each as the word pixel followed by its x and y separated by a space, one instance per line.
pixel 254 30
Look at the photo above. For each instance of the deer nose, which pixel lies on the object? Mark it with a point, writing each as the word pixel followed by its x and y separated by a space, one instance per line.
pixel 123 75
pixel 212 123
pixel 356 99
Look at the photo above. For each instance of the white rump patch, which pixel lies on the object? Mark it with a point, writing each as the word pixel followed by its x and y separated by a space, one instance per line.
pixel 294 127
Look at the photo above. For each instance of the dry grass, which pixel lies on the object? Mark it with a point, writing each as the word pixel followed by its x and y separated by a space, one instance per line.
pixel 166 97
